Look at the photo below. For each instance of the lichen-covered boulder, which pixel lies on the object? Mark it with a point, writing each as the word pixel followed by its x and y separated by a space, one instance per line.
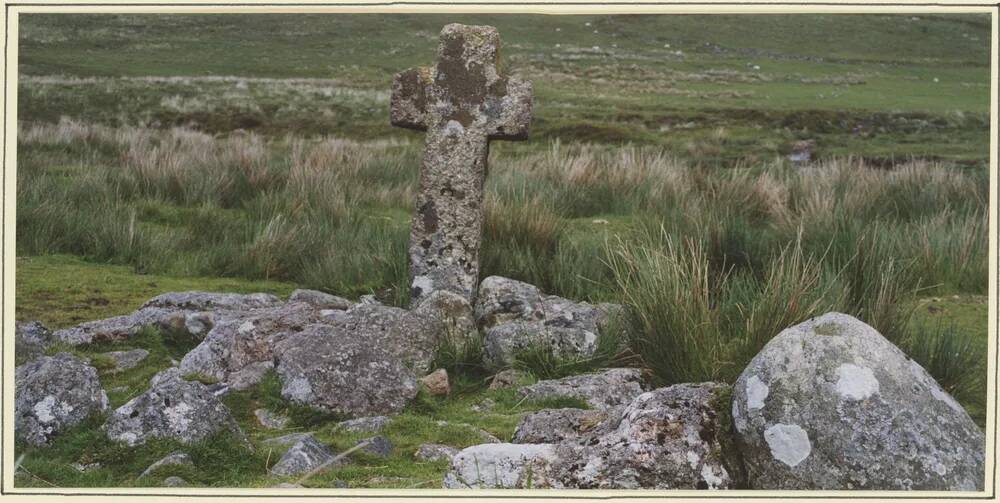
pixel 412 336
pixel 496 466
pixel 320 299
pixel 31 339
pixel 341 373
pixel 503 343
pixel 831 404
pixel 502 300
pixel 454 313
pixel 212 301
pixel 171 408
pixel 169 310
pixel 304 456
pixel 53 393
pixel 240 340
pixel 669 438
pixel 612 388
pixel 517 317
pixel 556 425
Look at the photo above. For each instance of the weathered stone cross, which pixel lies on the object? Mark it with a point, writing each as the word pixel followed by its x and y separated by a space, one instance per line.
pixel 462 103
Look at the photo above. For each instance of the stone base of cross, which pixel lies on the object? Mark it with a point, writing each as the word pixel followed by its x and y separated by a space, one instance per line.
pixel 463 102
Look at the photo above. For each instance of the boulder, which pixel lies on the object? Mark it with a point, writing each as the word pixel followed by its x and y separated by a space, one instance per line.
pixel 170 310
pixel 490 466
pixel 669 438
pixel 453 311
pixel 516 317
pixel 239 340
pixel 211 301
pixel 53 393
pixel 343 375
pixel 172 408
pixel 831 404
pixel 435 452
pixel 248 376
pixel 176 458
pixel 31 339
pixel 612 388
pixel 306 455
pixel 125 360
pixel 436 383
pixel 370 424
pixel 555 425
pixel 320 300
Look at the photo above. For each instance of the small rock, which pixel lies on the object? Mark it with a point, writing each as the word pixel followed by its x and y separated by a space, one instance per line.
pixel 53 393
pixel 340 484
pixel 436 382
pixel 270 419
pixel 125 360
pixel 174 482
pixel 379 446
pixel 320 299
pixel 604 390
pixel 175 458
pixel 435 452
pixel 507 379
pixel 307 454
pixel 555 425
pixel 370 424
pixel 288 485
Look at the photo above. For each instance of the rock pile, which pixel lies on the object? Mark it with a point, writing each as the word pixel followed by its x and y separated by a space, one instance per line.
pixel 827 404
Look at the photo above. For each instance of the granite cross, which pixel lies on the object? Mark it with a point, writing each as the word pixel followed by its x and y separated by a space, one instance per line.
pixel 463 102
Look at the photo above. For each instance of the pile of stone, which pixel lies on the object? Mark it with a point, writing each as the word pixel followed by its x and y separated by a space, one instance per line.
pixel 827 404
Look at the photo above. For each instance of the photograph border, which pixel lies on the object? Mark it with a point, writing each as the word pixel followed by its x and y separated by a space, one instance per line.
pixel 9 152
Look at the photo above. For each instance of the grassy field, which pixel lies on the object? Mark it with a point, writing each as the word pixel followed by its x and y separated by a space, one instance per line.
pixel 253 153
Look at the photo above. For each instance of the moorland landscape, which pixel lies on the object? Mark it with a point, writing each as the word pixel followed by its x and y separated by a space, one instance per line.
pixel 690 187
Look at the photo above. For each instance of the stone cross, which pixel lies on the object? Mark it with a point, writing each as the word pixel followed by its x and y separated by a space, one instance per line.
pixel 463 103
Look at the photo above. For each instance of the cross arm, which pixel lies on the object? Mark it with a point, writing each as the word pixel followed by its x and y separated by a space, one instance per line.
pixel 511 113
pixel 408 105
